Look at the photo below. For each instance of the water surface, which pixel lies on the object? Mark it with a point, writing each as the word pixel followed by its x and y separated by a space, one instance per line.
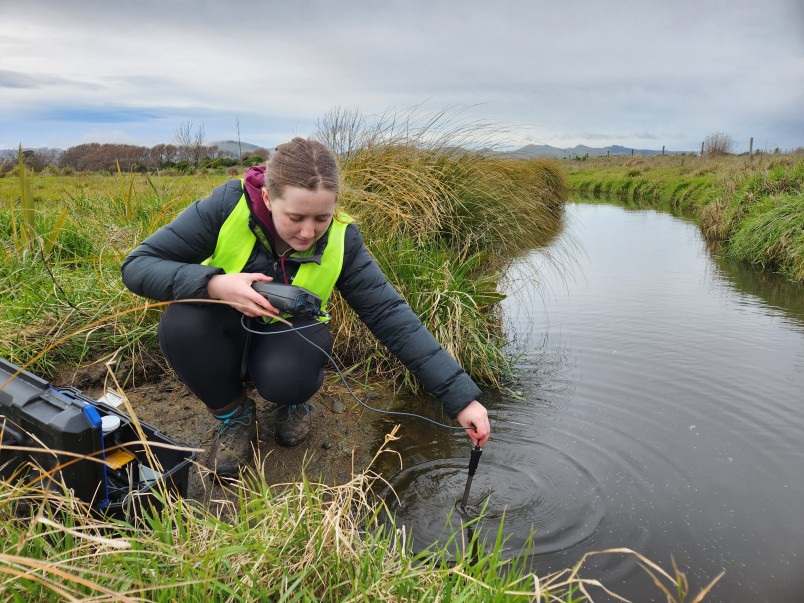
pixel 658 407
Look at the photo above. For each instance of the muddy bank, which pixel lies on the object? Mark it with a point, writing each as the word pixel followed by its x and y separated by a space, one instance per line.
pixel 343 439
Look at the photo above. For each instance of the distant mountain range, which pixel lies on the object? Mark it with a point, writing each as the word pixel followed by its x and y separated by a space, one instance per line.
pixel 545 150
pixel 526 152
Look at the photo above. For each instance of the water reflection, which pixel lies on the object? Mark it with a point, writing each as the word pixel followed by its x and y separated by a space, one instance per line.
pixel 773 291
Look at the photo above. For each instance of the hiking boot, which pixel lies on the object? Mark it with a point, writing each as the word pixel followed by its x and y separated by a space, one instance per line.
pixel 235 438
pixel 293 423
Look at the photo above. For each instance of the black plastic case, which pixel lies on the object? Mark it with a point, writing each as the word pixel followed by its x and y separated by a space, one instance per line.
pixel 55 421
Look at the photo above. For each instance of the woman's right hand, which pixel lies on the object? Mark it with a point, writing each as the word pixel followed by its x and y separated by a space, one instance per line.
pixel 475 419
pixel 236 289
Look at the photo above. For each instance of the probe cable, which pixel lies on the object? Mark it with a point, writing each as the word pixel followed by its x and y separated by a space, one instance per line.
pixel 343 378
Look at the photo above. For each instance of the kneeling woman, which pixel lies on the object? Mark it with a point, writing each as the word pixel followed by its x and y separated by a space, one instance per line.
pixel 280 223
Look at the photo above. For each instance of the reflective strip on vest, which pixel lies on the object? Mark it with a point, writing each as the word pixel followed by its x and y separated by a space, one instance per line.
pixel 232 257
pixel 235 242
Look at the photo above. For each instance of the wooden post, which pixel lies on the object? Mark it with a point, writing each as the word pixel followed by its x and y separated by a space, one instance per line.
pixel 751 148
pixel 662 150
pixel 702 149
pixel 632 152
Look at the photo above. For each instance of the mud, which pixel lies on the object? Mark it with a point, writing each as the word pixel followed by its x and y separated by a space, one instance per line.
pixel 343 439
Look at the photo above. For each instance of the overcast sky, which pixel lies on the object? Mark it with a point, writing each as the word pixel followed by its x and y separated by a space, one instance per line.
pixel 638 73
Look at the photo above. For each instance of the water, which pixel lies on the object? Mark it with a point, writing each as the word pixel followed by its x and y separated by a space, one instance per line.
pixel 659 408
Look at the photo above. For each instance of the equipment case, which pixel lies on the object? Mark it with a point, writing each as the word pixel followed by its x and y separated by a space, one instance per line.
pixel 55 421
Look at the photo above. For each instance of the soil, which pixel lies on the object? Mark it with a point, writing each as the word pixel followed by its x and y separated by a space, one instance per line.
pixel 343 439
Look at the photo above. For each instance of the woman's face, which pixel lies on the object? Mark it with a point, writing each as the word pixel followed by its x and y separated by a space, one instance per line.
pixel 301 216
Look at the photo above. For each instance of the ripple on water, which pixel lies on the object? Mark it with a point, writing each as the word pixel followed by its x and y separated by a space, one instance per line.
pixel 557 500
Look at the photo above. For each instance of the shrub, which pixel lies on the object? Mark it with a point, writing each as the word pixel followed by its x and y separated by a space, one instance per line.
pixel 718 144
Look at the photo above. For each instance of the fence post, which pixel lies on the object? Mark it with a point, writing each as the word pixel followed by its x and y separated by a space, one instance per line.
pixel 702 149
pixel 751 149
pixel 662 150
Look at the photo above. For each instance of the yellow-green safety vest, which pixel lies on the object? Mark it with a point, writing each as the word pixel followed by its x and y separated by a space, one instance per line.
pixel 235 242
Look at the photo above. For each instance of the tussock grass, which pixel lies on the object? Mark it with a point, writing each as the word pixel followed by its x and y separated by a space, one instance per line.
pixel 754 208
pixel 444 219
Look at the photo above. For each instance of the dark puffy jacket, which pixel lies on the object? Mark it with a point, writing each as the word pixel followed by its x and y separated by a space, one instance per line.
pixel 167 266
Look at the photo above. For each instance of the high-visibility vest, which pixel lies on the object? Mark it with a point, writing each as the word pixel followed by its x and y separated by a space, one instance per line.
pixel 236 240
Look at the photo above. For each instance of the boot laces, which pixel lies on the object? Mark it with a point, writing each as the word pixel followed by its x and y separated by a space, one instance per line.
pixel 226 428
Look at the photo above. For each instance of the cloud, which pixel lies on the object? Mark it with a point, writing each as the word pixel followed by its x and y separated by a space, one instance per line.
pixel 103 115
pixel 543 70
pixel 16 79
pixel 12 79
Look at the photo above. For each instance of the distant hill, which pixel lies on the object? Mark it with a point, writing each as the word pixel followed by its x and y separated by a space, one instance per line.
pixel 545 150
pixel 232 146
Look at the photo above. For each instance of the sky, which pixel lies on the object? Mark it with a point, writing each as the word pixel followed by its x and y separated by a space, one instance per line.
pixel 643 74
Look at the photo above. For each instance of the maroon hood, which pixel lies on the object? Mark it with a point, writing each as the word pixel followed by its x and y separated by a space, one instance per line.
pixel 254 181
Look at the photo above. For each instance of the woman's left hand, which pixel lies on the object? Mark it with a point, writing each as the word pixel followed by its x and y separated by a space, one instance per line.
pixel 475 414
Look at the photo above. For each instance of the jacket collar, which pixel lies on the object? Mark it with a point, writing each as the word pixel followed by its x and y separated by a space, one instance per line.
pixel 304 258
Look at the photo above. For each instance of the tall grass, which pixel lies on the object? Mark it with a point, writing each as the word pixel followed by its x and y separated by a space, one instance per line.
pixel 444 219
pixel 25 231
pixel 753 208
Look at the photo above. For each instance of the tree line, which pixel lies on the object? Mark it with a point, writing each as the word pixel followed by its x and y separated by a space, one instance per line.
pixel 189 153
pixel 93 157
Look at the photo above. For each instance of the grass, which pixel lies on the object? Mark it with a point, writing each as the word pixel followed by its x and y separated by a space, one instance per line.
pixel 754 208
pixel 443 223
pixel 47 297
pixel 303 541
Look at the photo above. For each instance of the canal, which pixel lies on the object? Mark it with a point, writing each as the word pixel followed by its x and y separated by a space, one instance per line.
pixel 659 406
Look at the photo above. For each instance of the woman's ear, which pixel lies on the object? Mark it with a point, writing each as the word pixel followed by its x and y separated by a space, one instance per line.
pixel 266 198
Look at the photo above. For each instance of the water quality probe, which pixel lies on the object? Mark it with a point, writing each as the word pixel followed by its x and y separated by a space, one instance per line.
pixel 300 302
pixel 474 460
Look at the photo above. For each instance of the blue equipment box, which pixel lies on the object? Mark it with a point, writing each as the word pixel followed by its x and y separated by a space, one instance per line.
pixel 113 472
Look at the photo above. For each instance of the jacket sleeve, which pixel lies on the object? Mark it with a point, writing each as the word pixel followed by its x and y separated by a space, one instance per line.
pixel 383 310
pixel 167 265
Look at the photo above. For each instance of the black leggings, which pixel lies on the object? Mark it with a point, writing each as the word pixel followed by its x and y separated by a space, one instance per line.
pixel 205 343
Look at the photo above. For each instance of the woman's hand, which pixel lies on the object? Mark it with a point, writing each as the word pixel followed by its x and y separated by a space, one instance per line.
pixel 236 289
pixel 475 414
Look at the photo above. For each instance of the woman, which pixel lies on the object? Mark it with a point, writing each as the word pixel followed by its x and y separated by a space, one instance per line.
pixel 279 223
